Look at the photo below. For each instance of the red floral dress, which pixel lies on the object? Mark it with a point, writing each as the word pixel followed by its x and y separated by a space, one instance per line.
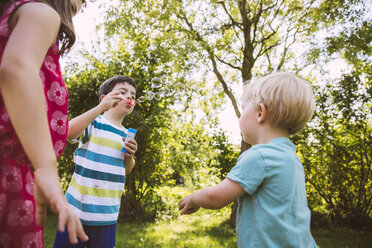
pixel 17 206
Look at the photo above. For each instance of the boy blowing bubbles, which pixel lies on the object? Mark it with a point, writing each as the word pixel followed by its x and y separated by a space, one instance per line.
pixel 98 181
pixel 268 179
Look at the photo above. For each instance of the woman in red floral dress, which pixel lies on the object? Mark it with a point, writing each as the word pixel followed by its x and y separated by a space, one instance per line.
pixel 33 118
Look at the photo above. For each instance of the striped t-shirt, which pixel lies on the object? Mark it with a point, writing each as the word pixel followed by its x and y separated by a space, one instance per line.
pixel 97 184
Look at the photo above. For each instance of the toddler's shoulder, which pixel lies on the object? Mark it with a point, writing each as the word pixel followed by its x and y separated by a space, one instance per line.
pixel 250 155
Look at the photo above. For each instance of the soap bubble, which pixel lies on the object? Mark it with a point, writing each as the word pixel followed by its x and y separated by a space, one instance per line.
pixel 178 96
pixel 163 87
pixel 158 96
pixel 218 87
pixel 156 83
pixel 166 92
pixel 141 99
pixel 166 80
pixel 196 88
pixel 150 95
pixel 179 87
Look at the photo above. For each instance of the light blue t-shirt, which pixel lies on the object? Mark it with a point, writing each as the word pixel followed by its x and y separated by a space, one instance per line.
pixel 273 212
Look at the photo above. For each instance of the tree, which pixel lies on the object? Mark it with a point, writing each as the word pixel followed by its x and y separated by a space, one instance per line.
pixel 150 120
pixel 167 143
pixel 233 39
pixel 336 148
pixel 336 153
pixel 227 37
pixel 239 40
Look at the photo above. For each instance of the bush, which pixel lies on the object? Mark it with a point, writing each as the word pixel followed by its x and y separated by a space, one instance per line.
pixel 165 202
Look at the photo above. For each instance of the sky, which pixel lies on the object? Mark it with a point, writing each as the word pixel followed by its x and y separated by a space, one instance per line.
pixel 85 23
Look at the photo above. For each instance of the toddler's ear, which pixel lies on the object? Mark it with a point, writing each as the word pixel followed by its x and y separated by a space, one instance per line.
pixel 261 113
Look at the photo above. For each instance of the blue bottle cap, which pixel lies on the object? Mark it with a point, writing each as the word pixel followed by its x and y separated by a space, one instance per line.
pixel 132 130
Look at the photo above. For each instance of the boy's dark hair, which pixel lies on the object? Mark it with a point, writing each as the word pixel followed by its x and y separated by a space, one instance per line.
pixel 107 86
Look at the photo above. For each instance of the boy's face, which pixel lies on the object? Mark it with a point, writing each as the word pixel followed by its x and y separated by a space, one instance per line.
pixel 128 92
pixel 248 122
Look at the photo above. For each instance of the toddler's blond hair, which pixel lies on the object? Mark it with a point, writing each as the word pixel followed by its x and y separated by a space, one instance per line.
pixel 288 99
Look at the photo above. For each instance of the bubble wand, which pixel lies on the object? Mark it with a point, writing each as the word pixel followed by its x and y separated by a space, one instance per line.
pixel 131 102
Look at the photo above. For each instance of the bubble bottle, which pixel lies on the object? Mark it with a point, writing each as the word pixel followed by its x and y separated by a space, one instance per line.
pixel 130 136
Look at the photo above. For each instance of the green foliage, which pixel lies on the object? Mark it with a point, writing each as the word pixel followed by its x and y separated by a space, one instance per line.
pixel 233 40
pixel 165 202
pixel 185 40
pixel 188 150
pixel 227 153
pixel 83 82
pixel 166 143
pixel 354 45
pixel 336 152
pixel 346 26
pixel 150 120
pixel 331 12
pixel 336 146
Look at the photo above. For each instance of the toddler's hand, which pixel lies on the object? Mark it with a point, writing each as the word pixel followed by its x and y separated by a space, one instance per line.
pixel 187 206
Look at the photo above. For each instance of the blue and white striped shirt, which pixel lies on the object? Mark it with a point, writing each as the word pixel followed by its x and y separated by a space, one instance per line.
pixel 98 181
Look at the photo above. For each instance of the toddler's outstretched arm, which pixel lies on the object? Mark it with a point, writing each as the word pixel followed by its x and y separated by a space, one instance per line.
pixel 212 197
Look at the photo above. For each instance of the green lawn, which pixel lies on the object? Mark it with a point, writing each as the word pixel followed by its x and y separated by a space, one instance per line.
pixel 205 229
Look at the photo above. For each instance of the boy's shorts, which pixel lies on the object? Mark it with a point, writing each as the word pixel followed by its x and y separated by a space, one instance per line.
pixel 99 237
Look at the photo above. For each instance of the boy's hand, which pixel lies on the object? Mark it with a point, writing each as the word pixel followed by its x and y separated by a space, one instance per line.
pixel 187 206
pixel 130 147
pixel 110 100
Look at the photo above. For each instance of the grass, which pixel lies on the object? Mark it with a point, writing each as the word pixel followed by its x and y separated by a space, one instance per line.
pixel 205 229
pixel 342 238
